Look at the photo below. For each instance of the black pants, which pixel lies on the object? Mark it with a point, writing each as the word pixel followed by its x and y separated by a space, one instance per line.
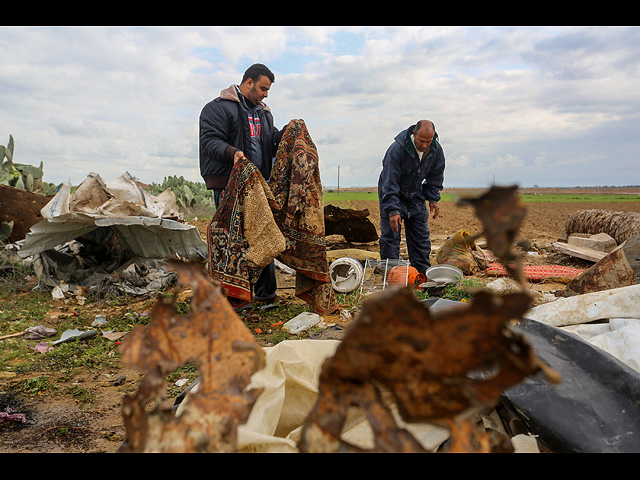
pixel 416 229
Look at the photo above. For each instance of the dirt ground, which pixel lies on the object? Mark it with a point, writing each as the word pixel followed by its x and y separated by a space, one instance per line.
pixel 99 427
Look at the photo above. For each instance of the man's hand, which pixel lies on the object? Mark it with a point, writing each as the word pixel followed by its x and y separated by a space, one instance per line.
pixel 396 222
pixel 434 208
pixel 238 155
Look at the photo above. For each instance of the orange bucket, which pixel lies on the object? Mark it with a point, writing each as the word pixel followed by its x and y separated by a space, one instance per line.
pixel 405 275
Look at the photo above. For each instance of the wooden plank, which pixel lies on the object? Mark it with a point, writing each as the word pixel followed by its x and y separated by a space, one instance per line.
pixel 584 253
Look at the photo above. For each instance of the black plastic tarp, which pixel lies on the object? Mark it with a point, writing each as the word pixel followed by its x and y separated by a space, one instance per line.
pixel 594 409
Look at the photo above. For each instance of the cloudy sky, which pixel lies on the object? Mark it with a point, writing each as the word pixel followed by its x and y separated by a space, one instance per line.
pixel 547 106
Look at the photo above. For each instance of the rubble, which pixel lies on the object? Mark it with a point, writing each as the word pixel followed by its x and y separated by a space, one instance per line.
pixel 93 236
pixel 354 225
pixel 619 268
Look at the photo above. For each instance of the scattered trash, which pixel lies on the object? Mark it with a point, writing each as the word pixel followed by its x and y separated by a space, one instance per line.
pixel 42 347
pixel 346 274
pixel 59 290
pixel 99 321
pixel 503 285
pixel 10 415
pixel 302 322
pixel 75 334
pixel 33 333
pixel 114 336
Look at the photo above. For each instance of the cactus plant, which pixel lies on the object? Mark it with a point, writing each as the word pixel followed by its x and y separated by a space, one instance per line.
pixel 188 193
pixel 26 177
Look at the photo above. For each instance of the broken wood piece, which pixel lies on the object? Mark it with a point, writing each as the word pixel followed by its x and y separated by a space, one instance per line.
pixel 584 253
pixel 601 242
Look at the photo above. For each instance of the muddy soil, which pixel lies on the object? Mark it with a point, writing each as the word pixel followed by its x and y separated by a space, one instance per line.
pixel 57 424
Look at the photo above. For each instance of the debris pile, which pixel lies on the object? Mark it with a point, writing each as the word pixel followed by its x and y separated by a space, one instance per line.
pixel 111 237
pixel 443 369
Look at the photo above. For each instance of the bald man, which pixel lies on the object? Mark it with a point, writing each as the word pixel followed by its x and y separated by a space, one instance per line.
pixel 412 175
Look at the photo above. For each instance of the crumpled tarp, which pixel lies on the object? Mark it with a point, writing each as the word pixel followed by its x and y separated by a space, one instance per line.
pixel 595 408
pixel 118 220
pixel 290 383
pixel 593 341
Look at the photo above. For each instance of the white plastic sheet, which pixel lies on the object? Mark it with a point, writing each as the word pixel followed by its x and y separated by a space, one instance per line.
pixel 609 320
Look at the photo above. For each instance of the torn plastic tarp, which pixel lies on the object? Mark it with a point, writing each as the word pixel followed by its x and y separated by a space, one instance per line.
pixel 113 223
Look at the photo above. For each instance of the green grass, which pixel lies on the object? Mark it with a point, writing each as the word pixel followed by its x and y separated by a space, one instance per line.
pixel 344 197
pixel 570 197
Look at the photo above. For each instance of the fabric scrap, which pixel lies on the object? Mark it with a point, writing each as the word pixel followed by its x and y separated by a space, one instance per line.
pixel 538 273
pixel 461 250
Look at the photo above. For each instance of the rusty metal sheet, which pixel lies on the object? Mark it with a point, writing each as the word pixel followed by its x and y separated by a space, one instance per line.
pixel 22 208
pixel 213 336
pixel 438 368
pixel 620 268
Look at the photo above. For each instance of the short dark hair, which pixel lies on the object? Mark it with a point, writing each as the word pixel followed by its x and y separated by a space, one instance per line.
pixel 255 71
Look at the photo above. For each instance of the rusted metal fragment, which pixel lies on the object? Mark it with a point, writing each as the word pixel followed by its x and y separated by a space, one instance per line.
pixel 501 212
pixel 212 336
pixel 22 208
pixel 438 367
pixel 620 268
pixel 353 224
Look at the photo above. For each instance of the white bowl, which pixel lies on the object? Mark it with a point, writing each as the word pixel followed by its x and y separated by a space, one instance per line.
pixel 444 274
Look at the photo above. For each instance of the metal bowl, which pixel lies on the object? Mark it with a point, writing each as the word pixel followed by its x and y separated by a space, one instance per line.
pixel 444 274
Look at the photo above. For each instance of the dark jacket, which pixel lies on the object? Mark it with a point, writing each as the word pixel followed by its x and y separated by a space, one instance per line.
pixel 224 130
pixel 404 181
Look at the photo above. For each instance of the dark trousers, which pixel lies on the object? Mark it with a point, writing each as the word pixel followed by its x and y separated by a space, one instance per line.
pixel 266 285
pixel 416 230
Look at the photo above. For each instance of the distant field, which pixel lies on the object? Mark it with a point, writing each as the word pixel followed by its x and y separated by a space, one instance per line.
pixel 333 197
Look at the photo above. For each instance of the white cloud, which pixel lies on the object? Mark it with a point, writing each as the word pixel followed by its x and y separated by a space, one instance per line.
pixel 539 105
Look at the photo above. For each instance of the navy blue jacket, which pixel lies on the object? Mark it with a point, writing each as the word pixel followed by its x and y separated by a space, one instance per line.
pixel 224 129
pixel 405 182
